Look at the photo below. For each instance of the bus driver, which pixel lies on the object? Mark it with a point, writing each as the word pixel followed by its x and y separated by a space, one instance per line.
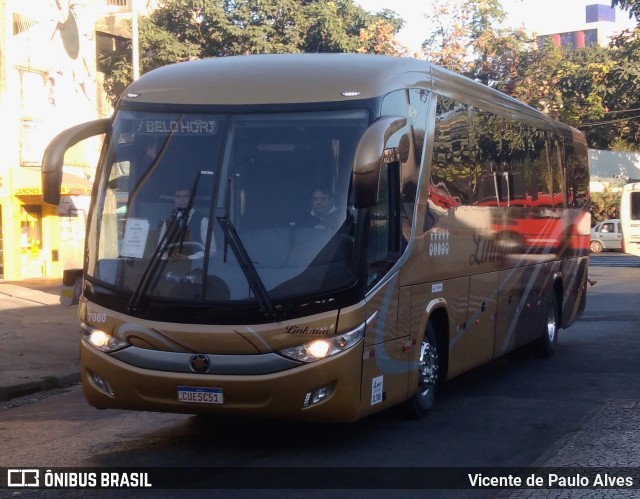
pixel 194 232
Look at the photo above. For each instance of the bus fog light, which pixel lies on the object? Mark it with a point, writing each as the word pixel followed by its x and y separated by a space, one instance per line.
pixel 317 395
pixel 102 384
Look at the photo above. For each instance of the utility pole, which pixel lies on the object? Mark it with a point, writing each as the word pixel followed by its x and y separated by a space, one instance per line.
pixel 135 52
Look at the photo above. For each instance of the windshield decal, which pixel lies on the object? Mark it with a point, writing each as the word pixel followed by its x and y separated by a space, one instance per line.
pixel 135 238
pixel 377 390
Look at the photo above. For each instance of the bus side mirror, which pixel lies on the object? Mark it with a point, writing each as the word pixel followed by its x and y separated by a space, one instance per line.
pixel 370 154
pixel 53 158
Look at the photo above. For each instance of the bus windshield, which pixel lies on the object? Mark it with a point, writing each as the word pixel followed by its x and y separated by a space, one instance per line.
pixel 244 208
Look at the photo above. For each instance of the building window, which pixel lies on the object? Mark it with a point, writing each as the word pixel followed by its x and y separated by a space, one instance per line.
pixel 30 228
pixel 591 37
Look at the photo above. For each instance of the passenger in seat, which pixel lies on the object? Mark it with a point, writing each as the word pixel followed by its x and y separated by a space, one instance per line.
pixel 324 215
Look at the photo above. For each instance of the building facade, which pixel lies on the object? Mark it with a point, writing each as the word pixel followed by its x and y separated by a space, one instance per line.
pixel 597 27
pixel 612 169
pixel 48 82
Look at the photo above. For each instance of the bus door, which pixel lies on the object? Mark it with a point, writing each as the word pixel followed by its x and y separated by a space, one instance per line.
pixel 536 285
pixel 387 350
pixel 510 304
pixel 481 319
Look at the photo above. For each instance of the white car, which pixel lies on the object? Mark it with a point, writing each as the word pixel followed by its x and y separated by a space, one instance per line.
pixel 606 236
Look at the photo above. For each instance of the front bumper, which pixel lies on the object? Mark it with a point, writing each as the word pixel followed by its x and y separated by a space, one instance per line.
pixel 278 395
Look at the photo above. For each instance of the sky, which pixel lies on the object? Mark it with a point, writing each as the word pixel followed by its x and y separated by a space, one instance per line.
pixel 537 16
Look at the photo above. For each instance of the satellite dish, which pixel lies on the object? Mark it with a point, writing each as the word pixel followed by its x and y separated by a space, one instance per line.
pixel 70 36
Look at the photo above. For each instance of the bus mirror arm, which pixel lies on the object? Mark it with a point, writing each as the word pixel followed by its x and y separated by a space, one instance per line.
pixel 370 155
pixel 53 159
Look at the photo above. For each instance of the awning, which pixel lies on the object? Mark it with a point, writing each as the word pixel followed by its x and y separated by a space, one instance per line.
pixel 27 181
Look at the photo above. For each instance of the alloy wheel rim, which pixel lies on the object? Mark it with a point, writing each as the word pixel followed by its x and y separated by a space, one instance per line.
pixel 551 324
pixel 428 367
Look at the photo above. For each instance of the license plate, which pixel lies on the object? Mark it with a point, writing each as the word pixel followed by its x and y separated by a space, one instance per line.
pixel 200 395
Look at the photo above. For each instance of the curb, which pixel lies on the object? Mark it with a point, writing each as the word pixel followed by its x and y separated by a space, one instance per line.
pixel 31 387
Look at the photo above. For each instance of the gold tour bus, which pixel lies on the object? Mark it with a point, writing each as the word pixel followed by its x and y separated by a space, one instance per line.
pixel 320 236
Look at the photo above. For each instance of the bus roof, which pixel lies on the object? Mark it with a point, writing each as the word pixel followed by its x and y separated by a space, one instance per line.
pixel 277 79
pixel 313 78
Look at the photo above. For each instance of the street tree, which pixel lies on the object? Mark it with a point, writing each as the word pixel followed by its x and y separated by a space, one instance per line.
pixel 631 6
pixel 622 120
pixel 569 85
pixel 180 30
pixel 537 82
pixel 332 26
pixel 470 38
pixel 447 46
pixel 605 205
pixel 573 86
pixel 379 36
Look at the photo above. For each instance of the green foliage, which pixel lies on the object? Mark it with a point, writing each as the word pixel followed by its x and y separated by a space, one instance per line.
pixel 332 26
pixel 596 89
pixel 469 38
pixel 631 6
pixel 181 30
pixel 568 85
pixel 623 97
pixel 605 205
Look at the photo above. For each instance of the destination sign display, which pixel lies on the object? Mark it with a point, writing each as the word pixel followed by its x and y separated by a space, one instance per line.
pixel 193 126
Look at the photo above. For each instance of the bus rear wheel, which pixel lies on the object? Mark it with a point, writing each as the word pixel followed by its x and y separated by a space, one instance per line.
pixel 547 344
pixel 424 398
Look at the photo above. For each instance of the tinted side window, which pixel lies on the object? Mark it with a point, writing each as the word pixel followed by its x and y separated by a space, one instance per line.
pixel 452 181
pixel 576 173
pixel 635 205
pixel 413 105
pixel 384 243
pixel 513 162
pixel 482 158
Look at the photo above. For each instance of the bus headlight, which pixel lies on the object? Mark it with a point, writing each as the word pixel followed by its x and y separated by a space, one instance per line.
pixel 101 340
pixel 325 347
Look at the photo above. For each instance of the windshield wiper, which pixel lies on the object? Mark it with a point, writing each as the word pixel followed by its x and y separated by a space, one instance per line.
pixel 231 237
pixel 178 218
pixel 177 226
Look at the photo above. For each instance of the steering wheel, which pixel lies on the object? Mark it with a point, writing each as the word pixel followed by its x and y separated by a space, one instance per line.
pixel 186 248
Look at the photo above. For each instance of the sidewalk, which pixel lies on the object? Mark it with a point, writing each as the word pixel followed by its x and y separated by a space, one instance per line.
pixel 39 338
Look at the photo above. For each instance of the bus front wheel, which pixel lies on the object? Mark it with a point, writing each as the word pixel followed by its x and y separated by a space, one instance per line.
pixel 428 375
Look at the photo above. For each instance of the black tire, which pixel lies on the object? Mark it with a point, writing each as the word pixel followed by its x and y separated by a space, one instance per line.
pixel 423 400
pixel 595 246
pixel 547 344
